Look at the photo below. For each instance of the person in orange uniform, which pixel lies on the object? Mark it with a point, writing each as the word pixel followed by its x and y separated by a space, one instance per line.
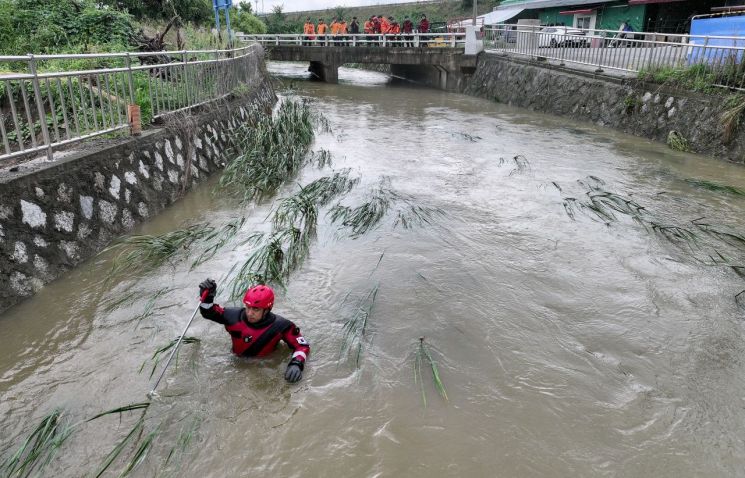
pixel 384 25
pixel 334 27
pixel 322 30
pixel 395 31
pixel 343 31
pixel 309 30
pixel 369 29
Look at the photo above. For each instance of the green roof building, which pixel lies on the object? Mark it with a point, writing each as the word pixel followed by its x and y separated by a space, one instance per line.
pixel 663 16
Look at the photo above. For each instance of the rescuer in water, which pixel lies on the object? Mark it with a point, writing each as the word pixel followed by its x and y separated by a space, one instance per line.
pixel 254 329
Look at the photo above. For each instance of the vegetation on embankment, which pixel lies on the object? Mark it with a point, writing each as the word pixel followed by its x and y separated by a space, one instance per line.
pixel 87 26
pixel 292 22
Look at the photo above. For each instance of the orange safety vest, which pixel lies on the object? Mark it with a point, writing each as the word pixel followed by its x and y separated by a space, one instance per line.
pixel 334 28
pixel 322 28
pixel 394 29
pixel 309 29
pixel 343 28
pixel 384 26
pixel 368 27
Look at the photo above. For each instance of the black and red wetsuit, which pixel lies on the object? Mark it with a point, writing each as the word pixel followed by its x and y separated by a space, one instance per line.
pixel 260 338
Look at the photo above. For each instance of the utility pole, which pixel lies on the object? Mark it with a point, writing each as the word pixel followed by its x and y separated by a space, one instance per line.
pixel 475 11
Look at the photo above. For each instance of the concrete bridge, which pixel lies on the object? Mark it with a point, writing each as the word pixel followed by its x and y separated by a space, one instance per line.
pixel 437 60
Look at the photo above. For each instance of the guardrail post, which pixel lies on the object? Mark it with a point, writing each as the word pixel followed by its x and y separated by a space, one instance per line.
pixel 40 108
pixel 354 40
pixel 185 60
pixel 416 40
pixel 130 80
pixel 452 40
pixel 599 69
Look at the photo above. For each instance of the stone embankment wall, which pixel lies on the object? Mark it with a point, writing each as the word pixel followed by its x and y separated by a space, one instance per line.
pixel 642 109
pixel 55 216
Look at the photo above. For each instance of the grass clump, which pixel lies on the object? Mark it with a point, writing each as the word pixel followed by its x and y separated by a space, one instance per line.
pixel 294 219
pixel 368 215
pixel 715 187
pixel 142 253
pixel 677 141
pixel 355 328
pixel 520 162
pixel 735 106
pixel 423 358
pixel 39 448
pixel 270 151
pixel 158 355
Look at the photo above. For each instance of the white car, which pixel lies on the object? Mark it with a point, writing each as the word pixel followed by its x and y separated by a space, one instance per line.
pixel 554 37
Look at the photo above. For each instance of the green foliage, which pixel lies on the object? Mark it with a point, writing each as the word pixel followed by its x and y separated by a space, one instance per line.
pixel 677 141
pixel 242 20
pixel 701 77
pixel 198 11
pixel 56 26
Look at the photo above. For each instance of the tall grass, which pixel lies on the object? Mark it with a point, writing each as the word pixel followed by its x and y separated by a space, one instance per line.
pixel 705 243
pixel 142 253
pixel 380 200
pixel 39 448
pixel 294 220
pixel 355 328
pixel 158 354
pixel 422 359
pixel 270 151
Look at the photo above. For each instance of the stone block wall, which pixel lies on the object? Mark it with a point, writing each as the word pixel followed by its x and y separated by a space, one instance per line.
pixel 54 216
pixel 634 107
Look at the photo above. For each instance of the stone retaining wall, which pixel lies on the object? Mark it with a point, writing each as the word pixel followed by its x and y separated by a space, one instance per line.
pixel 642 109
pixel 57 215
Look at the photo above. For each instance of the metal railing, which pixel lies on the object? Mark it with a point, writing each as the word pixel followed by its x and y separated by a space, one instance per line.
pixel 54 100
pixel 717 60
pixel 403 40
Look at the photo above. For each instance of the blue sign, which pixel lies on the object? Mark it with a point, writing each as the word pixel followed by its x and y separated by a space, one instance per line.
pixel 720 26
pixel 221 4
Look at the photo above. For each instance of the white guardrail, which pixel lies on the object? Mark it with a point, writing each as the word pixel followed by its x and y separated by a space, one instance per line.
pixel 403 40
pixel 713 60
pixel 47 101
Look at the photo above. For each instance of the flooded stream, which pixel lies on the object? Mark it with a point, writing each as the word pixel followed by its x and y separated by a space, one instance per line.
pixel 573 338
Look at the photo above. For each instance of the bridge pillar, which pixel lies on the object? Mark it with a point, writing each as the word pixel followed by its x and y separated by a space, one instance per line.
pixel 327 72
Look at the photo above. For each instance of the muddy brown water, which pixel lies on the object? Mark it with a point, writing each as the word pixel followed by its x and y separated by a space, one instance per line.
pixel 568 347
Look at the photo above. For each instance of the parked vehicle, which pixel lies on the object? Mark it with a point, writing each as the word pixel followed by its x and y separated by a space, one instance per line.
pixel 558 37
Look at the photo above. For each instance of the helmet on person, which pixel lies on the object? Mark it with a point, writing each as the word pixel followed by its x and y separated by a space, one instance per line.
pixel 260 296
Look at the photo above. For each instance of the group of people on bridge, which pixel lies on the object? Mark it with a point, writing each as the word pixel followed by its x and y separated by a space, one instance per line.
pixel 378 28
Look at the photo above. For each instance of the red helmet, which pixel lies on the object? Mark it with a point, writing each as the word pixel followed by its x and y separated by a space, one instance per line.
pixel 261 296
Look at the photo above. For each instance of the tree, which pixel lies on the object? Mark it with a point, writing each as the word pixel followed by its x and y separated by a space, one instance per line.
pixel 244 21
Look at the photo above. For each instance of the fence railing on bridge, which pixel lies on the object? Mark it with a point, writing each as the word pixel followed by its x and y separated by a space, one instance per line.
pixel 411 40
pixel 712 60
pixel 47 101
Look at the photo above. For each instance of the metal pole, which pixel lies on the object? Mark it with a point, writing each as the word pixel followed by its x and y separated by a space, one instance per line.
pixel 152 393
pixel 130 80
pixel 40 107
pixel 475 11
pixel 186 76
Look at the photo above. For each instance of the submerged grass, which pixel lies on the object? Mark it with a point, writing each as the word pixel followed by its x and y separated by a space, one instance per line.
pixel 143 253
pixel 423 354
pixel 158 354
pixel 520 164
pixel 381 199
pixel 700 241
pixel 355 328
pixel 294 220
pixel 715 187
pixel 271 150
pixel 39 448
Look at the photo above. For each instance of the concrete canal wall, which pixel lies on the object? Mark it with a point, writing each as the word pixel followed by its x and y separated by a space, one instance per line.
pixel 55 215
pixel 642 109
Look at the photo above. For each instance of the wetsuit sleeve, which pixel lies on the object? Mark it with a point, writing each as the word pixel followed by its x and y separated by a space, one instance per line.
pixel 212 312
pixel 295 340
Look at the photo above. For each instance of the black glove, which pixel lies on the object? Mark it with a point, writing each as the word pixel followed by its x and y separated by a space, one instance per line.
pixel 211 287
pixel 294 371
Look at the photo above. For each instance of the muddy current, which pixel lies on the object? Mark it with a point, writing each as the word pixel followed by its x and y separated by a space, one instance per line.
pixel 577 289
